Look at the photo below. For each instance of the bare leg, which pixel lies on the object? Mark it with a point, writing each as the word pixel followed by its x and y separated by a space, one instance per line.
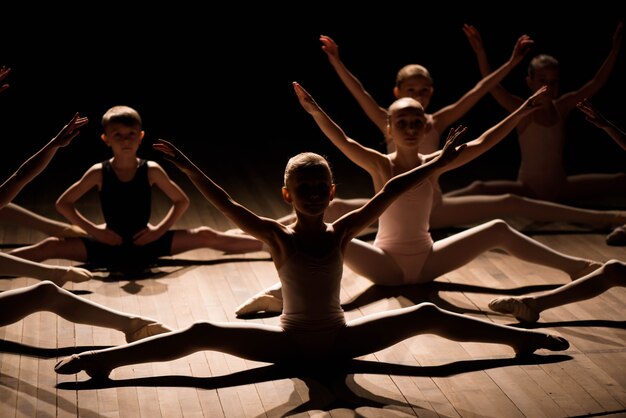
pixel 252 341
pixel 15 266
pixel 16 304
pixel 448 254
pixel 584 186
pixel 49 248
pixel 17 214
pixel 391 327
pixel 528 308
pixel 466 210
pixel 491 187
pixel 459 249
pixel 205 237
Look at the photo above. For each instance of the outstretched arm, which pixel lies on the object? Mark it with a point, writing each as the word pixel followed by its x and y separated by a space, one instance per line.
pixel 507 100
pixel 570 100
pixel 499 131
pixel 36 164
pixel 451 113
pixel 598 119
pixel 261 228
pixel 377 114
pixel 364 157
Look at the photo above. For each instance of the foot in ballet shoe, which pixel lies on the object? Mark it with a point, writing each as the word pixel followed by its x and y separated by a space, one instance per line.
pixel 74 274
pixel 539 341
pixel 75 364
pixel 519 308
pixel 148 330
pixel 617 237
pixel 72 231
pixel 262 303
pixel 589 268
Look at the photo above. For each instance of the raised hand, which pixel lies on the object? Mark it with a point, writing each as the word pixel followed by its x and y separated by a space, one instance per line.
pixel 591 114
pixel 535 101
pixel 174 155
pixel 522 46
pixel 474 38
pixel 70 131
pixel 306 100
pixel 330 48
pixel 450 150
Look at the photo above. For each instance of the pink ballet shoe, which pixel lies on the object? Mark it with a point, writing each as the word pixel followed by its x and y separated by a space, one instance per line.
pixel 514 306
pixel 262 303
pixel 546 341
pixel 72 231
pixel 148 330
pixel 617 237
pixel 75 275
pixel 75 364
pixel 590 268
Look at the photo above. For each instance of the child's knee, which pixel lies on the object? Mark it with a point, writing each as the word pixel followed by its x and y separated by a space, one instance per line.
pixel 45 290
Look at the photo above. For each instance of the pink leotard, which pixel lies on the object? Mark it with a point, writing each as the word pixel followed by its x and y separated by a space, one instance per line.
pixel 403 229
pixel 542 168
pixel 311 291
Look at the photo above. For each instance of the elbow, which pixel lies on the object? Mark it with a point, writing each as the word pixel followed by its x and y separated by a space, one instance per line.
pixel 59 204
pixel 183 203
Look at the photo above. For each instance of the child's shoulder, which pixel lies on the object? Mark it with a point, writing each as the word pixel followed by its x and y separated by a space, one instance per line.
pixel 152 165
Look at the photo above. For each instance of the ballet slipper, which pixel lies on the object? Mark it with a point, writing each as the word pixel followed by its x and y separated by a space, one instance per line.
pixel 75 364
pixel 148 330
pixel 262 303
pixel 76 275
pixel 519 308
pixel 546 341
pixel 617 237
pixel 589 268
pixel 72 231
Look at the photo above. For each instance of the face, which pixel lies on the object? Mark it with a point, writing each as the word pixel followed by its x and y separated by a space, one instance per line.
pixel 407 124
pixel 310 190
pixel 547 76
pixel 122 138
pixel 418 88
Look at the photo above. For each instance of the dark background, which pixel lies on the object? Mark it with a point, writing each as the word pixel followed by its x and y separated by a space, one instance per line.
pixel 218 82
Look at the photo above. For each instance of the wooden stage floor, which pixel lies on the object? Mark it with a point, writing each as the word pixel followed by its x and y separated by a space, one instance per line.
pixel 422 376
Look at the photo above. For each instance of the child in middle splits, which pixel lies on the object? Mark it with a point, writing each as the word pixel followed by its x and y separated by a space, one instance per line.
pixel 541 137
pixel 308 256
pixel 403 251
pixel 127 240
